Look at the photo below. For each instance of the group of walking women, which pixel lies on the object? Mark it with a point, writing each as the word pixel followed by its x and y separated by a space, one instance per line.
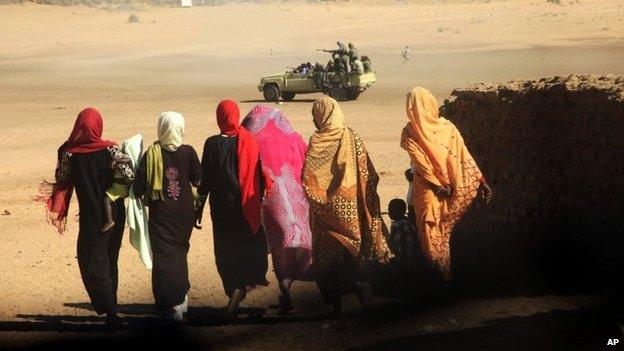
pixel 314 207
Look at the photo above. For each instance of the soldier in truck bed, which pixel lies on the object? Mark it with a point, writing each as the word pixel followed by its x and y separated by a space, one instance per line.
pixel 343 55
pixel 319 75
pixel 353 53
pixel 367 64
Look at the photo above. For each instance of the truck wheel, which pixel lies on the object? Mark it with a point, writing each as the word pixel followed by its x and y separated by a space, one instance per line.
pixel 338 93
pixel 270 93
pixel 353 94
pixel 288 96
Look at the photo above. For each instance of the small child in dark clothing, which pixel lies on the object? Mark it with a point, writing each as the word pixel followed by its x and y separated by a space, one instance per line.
pixel 403 236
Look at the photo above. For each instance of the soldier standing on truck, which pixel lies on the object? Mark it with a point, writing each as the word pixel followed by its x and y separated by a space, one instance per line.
pixel 353 53
pixel 343 55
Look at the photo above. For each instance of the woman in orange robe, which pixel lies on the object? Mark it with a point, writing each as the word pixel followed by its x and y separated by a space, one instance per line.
pixel 446 178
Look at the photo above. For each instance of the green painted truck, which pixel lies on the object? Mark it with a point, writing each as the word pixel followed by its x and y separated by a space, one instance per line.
pixel 340 86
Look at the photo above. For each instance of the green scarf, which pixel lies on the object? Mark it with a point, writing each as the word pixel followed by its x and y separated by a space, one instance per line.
pixel 155 172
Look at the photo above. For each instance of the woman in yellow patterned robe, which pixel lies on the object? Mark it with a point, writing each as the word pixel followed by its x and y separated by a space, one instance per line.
pixel 446 178
pixel 341 185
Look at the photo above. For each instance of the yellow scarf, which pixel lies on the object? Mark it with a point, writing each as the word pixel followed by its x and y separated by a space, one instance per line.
pixel 155 172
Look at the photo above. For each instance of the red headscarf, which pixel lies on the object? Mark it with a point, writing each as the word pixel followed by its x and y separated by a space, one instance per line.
pixel 86 137
pixel 228 117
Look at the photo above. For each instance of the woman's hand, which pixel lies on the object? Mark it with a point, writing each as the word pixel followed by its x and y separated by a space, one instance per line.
pixel 198 219
pixel 486 192
pixel 408 175
pixel 444 190
pixel 199 211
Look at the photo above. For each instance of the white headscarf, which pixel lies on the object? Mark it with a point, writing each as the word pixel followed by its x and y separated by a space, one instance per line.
pixel 170 130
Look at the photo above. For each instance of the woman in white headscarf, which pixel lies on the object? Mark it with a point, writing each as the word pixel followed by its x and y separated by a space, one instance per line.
pixel 165 176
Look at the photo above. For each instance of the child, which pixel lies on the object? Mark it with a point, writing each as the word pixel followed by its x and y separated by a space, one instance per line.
pixel 121 164
pixel 403 235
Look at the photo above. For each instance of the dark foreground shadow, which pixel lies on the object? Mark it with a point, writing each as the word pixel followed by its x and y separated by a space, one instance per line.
pixel 154 339
pixel 558 330
pixel 141 317
pixel 586 329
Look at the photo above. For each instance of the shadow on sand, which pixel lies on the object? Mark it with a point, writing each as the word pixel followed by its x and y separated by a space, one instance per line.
pixel 141 317
pixel 553 331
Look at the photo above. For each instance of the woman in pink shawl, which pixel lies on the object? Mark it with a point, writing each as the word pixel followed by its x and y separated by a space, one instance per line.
pixel 285 207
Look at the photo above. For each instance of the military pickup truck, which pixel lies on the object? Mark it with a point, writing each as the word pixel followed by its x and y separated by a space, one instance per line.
pixel 340 86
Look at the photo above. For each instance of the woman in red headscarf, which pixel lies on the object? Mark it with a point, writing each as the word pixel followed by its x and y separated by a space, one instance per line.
pixel 233 178
pixel 85 163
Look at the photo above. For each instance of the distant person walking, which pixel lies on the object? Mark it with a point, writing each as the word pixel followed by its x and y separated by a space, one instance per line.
pixel 446 178
pixel 341 184
pixel 406 54
pixel 165 176
pixel 285 207
pixel 232 177
pixel 84 163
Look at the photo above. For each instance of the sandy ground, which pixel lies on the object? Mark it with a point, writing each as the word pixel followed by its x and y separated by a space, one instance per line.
pixel 56 60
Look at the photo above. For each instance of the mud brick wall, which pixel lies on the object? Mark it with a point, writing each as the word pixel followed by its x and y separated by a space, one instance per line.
pixel 553 152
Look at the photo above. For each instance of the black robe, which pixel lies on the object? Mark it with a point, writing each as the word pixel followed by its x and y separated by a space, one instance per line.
pixel 170 223
pixel 241 255
pixel 98 252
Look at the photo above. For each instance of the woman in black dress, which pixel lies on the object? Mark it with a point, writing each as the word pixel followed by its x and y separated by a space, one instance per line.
pixel 84 163
pixel 232 177
pixel 165 176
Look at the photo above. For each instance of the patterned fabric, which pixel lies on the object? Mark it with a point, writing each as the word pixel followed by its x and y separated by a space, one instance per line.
pixel 173 189
pixel 341 184
pixel 439 157
pixel 122 172
pixel 285 207
pixel 63 170
pixel 259 117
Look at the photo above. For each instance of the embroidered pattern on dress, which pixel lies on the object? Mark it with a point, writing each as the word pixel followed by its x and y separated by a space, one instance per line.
pixel 173 189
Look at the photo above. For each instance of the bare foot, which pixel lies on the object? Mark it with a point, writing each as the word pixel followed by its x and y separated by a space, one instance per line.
pixel 231 311
pixel 285 298
pixel 108 226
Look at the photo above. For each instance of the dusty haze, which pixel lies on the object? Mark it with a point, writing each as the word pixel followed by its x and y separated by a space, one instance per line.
pixel 54 61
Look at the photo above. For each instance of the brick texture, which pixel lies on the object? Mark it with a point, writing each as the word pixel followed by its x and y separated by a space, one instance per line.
pixel 553 152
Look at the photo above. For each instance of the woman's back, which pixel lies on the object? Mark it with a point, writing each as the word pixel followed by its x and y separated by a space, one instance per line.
pixel 220 179
pixel 277 149
pixel 91 174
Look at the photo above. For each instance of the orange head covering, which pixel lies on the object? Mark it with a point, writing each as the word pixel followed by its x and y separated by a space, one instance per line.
pixel 432 132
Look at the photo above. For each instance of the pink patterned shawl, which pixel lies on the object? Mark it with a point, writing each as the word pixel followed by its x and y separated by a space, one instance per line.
pixel 285 207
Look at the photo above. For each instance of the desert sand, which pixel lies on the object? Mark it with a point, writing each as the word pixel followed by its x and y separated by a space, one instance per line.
pixel 54 61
